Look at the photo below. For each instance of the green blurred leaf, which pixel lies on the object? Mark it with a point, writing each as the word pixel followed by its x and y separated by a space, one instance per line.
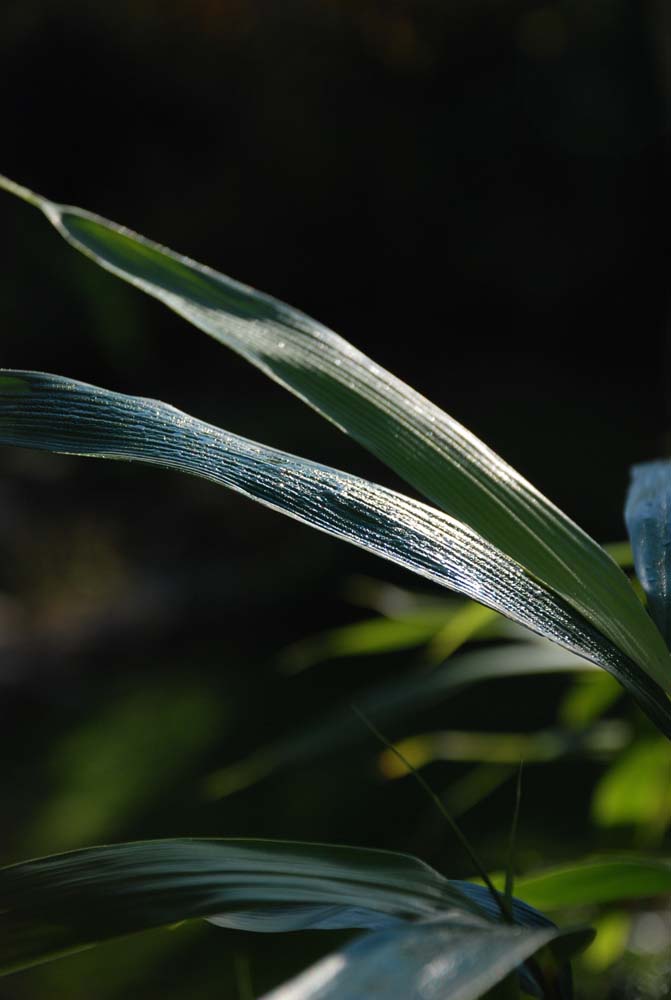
pixel 596 881
pixel 587 699
pixel 503 748
pixel 396 699
pixel 612 931
pixel 620 552
pixel 115 764
pixel 468 622
pixel 637 788
pixel 366 638
pixel 422 443
pixel 445 628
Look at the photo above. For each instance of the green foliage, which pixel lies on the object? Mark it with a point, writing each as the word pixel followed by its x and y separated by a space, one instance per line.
pixel 491 537
pixel 636 791
pixel 65 903
pixel 418 440
pixel 465 958
pixel 602 880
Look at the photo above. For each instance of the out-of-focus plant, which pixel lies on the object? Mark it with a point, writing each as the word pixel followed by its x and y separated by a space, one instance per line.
pixel 490 536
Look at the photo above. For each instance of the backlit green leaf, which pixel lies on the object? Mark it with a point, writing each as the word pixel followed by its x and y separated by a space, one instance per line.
pixel 596 881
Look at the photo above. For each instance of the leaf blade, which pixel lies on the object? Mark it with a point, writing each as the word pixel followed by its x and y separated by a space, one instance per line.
pixel 394 700
pixel 66 902
pixel 57 414
pixel 417 439
pixel 596 881
pixel 427 961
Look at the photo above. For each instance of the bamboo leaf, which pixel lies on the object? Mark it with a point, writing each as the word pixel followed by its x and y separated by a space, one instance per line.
pixel 449 957
pixel 416 438
pixel 596 881
pixel 543 746
pixel 49 412
pixel 60 904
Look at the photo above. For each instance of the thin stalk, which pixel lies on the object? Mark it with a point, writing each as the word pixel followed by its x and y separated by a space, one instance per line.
pixel 512 843
pixel 506 910
pixel 20 191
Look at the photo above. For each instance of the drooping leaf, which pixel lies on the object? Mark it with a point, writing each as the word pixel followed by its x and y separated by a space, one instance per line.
pixel 396 699
pixel 596 881
pixel 590 695
pixel 363 638
pixel 60 904
pixel 648 517
pixel 443 629
pixel 46 411
pixel 422 443
pixel 456 957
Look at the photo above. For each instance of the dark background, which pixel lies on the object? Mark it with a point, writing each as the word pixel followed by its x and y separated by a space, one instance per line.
pixel 473 193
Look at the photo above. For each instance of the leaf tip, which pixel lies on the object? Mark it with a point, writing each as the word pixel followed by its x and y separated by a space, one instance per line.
pixel 6 184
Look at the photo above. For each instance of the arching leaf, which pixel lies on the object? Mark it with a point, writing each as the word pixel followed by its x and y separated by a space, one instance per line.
pixel 57 414
pixel 420 441
pixel 61 904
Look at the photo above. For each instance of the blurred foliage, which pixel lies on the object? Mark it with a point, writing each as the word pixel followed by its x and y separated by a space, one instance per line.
pixel 123 760
pixel 636 791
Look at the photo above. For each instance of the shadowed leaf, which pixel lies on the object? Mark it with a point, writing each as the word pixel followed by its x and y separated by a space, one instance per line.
pixel 60 904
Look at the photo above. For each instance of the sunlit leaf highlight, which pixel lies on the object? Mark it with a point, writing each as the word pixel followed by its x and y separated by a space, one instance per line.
pixel 58 414
pixel 420 441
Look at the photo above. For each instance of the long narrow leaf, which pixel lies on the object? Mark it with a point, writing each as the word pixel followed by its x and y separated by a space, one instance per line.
pixel 422 443
pixel 57 905
pixel 393 700
pixel 597 881
pixel 53 413
pixel 449 957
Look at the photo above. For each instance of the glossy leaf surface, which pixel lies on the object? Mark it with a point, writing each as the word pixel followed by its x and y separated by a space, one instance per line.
pixel 57 414
pixel 449 957
pixel 416 438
